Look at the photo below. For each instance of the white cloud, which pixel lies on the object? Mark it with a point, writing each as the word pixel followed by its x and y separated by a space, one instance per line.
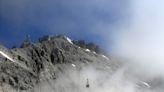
pixel 142 40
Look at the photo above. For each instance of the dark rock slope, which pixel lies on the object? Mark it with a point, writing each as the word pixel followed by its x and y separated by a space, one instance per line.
pixel 26 67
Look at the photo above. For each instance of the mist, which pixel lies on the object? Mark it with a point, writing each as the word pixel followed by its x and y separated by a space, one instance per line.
pixel 74 80
pixel 142 41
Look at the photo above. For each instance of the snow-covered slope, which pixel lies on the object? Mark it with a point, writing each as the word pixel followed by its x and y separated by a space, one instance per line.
pixel 6 56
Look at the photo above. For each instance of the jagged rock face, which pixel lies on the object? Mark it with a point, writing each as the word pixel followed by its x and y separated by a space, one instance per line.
pixel 38 62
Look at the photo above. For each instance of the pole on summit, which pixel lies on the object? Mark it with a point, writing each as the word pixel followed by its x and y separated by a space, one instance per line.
pixel 28 38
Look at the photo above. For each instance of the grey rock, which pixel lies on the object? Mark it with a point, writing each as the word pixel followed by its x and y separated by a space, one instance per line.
pixel 42 61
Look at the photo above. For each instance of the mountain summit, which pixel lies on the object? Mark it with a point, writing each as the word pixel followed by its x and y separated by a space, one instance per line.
pixel 24 69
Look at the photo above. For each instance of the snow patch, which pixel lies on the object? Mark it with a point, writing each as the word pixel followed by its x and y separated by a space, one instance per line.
pixel 146 84
pixel 69 40
pixel 73 65
pixel 6 56
pixel 94 52
pixel 9 58
pixel 87 50
pixel 105 57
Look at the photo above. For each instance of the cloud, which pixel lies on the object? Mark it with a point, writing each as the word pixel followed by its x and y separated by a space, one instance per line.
pixel 142 40
pixel 75 81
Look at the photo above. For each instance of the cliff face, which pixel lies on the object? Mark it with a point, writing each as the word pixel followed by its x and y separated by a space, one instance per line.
pixel 22 69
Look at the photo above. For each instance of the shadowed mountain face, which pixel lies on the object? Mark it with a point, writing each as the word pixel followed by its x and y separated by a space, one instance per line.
pixel 55 64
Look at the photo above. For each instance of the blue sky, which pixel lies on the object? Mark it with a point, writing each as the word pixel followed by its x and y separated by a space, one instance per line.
pixel 90 20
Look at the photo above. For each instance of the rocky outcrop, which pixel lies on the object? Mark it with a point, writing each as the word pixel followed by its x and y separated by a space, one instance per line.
pixel 41 61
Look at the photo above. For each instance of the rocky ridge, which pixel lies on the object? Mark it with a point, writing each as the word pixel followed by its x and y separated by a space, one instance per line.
pixel 23 68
